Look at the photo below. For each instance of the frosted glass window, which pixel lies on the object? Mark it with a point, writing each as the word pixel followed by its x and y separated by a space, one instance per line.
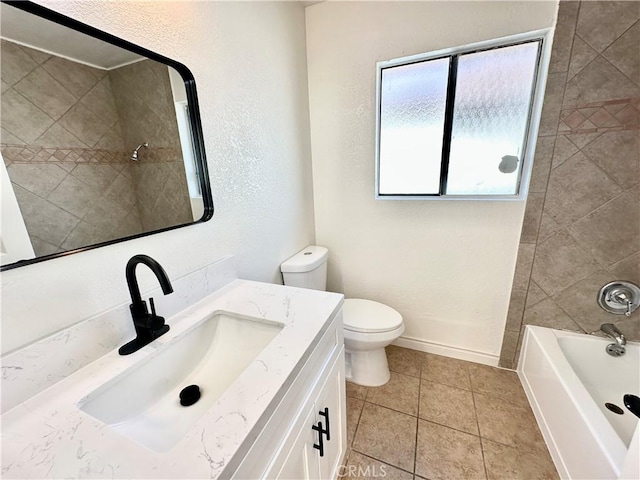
pixel 412 108
pixel 490 118
pixel 456 122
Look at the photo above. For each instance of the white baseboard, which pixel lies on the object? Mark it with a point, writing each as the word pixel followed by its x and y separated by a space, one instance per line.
pixel 447 351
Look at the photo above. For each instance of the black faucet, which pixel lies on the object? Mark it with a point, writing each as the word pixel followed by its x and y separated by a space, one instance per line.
pixel 149 326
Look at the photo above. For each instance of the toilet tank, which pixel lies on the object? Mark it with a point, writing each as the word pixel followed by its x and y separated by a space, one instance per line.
pixel 307 268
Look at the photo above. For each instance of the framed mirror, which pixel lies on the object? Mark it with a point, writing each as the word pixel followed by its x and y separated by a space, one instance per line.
pixel 101 139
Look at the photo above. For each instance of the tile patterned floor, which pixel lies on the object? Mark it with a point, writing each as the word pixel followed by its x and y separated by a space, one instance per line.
pixel 441 418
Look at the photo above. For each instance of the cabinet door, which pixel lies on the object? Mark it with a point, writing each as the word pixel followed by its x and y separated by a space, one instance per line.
pixel 302 462
pixel 333 398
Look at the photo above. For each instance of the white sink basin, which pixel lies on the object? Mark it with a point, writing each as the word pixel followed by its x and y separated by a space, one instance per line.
pixel 143 401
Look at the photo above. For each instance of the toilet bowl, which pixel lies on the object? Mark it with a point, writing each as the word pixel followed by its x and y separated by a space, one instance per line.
pixel 368 326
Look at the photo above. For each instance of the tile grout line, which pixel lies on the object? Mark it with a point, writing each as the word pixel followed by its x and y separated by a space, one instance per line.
pixel 355 430
pixel 415 448
pixel 384 463
pixel 475 411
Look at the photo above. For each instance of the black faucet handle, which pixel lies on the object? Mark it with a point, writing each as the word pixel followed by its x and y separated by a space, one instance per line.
pixel 155 322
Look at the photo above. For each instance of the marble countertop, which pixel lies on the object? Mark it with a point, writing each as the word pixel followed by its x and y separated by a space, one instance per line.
pixel 48 436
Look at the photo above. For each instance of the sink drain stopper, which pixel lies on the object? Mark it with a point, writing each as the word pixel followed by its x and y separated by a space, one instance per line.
pixel 189 395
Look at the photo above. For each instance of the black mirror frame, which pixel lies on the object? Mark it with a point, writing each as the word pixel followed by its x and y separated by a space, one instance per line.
pixel 194 118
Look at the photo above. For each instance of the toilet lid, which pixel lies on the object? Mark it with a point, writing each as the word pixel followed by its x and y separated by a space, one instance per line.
pixel 368 316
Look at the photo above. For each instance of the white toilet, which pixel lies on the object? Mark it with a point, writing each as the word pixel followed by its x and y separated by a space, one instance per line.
pixel 368 326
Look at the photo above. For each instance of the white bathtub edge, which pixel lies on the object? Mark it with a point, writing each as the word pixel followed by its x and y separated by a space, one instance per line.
pixel 554 452
pixel 593 460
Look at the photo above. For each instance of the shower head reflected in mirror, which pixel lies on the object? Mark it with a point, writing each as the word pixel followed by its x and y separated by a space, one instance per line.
pixel 134 155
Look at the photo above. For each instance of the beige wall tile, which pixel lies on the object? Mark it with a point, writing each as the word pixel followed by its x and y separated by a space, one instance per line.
pixel 534 295
pixel 523 266
pixel 100 101
pixel 46 93
pixel 612 232
pixel 77 78
pixel 39 178
pixel 43 219
pixel 97 176
pixel 37 56
pixel 582 54
pixel 618 154
pixel 548 227
pixel 121 192
pixel 15 62
pixel 548 314
pixel 516 309
pixel 15 109
pixel 600 81
pixel 83 234
pixel 508 351
pixel 601 23
pixel 564 149
pixel 576 188
pixel 623 53
pixel 84 124
pixel 7 138
pixel 58 137
pixel 628 269
pixel 561 52
pixel 579 301
pixel 552 104
pixel 105 216
pixel 41 248
pixel 74 196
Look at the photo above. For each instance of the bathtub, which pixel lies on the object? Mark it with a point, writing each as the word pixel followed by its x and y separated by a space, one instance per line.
pixel 568 377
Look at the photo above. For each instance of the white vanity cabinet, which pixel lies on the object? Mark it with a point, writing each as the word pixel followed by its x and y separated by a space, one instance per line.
pixel 289 445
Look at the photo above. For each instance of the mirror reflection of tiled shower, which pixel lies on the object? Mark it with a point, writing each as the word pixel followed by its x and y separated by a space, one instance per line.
pixel 68 131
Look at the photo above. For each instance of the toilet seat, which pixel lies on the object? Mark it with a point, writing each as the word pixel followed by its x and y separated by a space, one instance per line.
pixel 367 316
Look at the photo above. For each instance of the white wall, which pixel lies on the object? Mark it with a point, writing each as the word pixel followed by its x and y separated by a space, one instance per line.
pixel 446 266
pixel 248 60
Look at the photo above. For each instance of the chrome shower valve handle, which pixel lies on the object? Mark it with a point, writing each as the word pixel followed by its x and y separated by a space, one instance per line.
pixel 619 297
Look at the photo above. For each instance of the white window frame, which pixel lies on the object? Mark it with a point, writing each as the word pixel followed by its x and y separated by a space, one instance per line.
pixel 546 37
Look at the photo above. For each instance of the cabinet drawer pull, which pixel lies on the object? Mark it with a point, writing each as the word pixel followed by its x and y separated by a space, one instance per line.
pixel 320 445
pixel 325 414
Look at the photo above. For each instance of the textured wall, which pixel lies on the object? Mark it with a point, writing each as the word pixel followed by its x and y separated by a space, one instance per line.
pixel 249 62
pixel 582 222
pixel 144 100
pixel 446 266
pixel 62 144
